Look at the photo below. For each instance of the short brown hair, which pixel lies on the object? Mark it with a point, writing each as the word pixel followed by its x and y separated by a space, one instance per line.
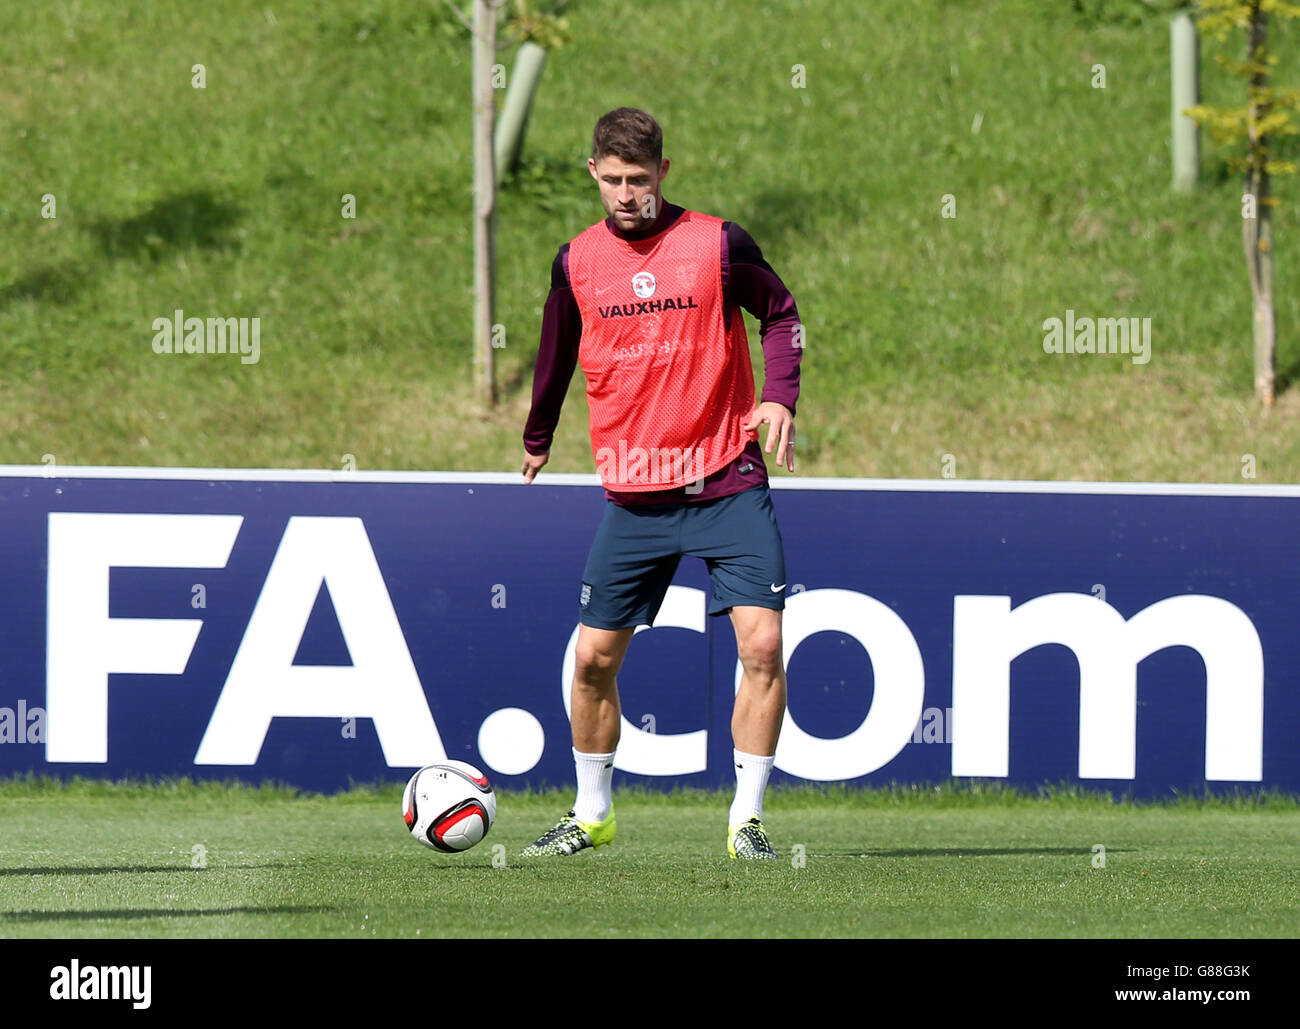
pixel 630 134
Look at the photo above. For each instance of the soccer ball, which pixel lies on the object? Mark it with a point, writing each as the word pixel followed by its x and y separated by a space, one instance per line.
pixel 449 806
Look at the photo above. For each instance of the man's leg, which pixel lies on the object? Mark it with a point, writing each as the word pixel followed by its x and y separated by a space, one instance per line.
pixel 595 709
pixel 760 703
pixel 755 725
pixel 628 571
pixel 595 717
pixel 739 540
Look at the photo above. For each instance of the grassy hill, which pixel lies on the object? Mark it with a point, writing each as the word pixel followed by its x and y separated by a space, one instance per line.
pixel 924 333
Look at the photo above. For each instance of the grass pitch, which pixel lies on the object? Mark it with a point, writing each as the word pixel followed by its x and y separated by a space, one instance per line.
pixel 184 860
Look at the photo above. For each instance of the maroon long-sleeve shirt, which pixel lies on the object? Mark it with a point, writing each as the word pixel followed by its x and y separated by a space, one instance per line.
pixel 748 281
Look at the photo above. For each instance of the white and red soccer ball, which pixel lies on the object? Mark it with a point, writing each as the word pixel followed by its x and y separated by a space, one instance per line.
pixel 449 806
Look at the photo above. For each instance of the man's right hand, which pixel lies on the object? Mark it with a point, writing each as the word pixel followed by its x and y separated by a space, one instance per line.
pixel 533 464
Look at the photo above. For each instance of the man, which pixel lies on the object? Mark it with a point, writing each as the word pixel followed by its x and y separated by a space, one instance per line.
pixel 647 300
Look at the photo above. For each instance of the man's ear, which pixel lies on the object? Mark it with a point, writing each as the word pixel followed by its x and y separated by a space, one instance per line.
pixel 663 169
pixel 591 167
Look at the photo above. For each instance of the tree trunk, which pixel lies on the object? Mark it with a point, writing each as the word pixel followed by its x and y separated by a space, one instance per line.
pixel 1262 292
pixel 1257 232
pixel 485 35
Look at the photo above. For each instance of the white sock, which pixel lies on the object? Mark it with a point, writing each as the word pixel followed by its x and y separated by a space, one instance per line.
pixel 752 771
pixel 595 775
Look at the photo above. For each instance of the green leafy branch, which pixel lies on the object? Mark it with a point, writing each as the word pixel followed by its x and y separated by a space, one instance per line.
pixel 1268 113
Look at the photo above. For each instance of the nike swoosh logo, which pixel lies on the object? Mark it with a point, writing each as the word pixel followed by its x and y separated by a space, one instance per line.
pixel 777 589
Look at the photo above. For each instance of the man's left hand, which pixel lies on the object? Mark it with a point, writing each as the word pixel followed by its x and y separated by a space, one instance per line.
pixel 780 430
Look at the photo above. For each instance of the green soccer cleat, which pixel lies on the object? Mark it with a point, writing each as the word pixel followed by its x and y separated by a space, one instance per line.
pixel 748 841
pixel 570 836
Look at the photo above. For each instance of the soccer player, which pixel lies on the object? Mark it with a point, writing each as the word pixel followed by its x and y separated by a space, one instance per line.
pixel 648 302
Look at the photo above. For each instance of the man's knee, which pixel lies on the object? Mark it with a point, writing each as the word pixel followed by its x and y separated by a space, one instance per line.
pixel 598 655
pixel 760 651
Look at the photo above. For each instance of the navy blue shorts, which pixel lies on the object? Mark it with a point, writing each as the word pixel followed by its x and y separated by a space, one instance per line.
pixel 636 550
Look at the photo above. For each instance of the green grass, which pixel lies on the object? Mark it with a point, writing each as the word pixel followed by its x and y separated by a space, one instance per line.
pixel 109 860
pixel 923 333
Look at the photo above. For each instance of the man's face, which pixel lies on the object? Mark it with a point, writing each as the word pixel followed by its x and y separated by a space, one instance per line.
pixel 629 192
